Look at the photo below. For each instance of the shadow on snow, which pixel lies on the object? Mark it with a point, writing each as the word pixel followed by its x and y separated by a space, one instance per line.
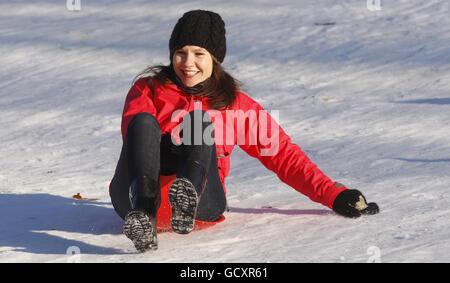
pixel 434 101
pixel 27 219
pixel 281 211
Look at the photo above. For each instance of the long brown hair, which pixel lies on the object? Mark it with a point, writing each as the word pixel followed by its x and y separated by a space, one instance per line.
pixel 220 90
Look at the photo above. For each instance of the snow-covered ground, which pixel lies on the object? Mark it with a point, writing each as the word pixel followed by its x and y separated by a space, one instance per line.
pixel 364 92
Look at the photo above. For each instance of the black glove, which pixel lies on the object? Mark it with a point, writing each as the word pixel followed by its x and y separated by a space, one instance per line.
pixel 352 203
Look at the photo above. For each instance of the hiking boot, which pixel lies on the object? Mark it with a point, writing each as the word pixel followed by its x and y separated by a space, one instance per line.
pixel 141 230
pixel 140 223
pixel 183 199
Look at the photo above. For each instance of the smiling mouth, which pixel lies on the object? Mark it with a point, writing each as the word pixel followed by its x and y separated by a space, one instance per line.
pixel 189 74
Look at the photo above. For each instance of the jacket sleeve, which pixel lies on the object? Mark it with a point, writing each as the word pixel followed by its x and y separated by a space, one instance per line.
pixel 139 99
pixel 273 147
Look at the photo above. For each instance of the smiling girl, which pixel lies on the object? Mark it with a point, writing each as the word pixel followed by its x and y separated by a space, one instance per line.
pixel 195 95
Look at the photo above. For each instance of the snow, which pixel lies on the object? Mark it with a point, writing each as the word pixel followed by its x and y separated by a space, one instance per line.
pixel 364 92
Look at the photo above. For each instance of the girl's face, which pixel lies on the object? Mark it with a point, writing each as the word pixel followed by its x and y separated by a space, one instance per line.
pixel 192 64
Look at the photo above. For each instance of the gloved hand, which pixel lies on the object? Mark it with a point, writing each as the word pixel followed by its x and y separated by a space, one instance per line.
pixel 352 203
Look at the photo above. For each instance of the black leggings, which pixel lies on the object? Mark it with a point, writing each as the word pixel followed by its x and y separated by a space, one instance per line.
pixel 147 152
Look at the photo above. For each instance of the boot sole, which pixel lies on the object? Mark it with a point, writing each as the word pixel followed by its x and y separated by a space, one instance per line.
pixel 138 228
pixel 183 199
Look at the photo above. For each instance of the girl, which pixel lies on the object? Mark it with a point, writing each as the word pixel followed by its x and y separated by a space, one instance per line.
pixel 184 120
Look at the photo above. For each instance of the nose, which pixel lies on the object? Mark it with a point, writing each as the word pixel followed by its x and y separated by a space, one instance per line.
pixel 189 59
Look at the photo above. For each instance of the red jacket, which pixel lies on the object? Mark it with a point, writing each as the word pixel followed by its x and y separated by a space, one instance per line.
pixel 245 124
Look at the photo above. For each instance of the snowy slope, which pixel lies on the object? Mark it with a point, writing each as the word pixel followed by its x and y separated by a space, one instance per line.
pixel 364 92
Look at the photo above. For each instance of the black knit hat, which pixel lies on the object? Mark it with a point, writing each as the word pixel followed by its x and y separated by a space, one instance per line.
pixel 201 28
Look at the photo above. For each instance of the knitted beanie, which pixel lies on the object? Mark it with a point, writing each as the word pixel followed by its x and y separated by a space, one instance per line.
pixel 201 28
